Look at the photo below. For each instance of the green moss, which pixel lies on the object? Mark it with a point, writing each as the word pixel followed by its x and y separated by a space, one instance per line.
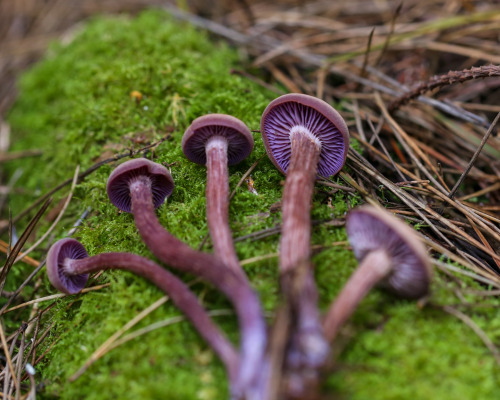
pixel 76 107
pixel 435 357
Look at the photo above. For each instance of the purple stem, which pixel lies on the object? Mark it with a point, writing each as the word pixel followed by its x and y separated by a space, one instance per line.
pixel 172 286
pixel 308 344
pixel 217 193
pixel 375 266
pixel 177 254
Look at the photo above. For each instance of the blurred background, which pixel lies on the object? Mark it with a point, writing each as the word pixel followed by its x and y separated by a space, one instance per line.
pixel 425 36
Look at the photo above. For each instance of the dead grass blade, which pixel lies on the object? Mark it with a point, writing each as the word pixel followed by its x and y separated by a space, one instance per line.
pixel 391 32
pixel 161 324
pixel 7 356
pixel 55 296
pixel 5 248
pixel 475 156
pixel 477 330
pixel 104 348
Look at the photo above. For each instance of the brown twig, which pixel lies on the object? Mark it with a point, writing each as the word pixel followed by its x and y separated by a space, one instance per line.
pixel 440 81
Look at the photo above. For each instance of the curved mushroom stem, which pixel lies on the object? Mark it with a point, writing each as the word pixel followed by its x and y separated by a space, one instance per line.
pixel 295 249
pixel 217 193
pixel 172 286
pixel 375 266
pixel 177 254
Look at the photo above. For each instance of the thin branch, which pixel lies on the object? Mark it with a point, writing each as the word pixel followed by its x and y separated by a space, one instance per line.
pixel 440 81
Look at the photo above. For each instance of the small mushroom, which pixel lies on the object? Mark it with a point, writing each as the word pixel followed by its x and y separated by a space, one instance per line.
pixel 390 254
pixel 69 265
pixel 138 186
pixel 136 174
pixel 218 140
pixel 304 136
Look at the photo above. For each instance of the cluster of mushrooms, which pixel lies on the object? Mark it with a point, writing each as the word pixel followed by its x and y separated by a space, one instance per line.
pixel 304 137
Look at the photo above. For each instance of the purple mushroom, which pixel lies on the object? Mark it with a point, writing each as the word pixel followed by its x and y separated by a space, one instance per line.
pixel 390 254
pixel 218 140
pixel 69 265
pixel 142 180
pixel 139 172
pixel 304 136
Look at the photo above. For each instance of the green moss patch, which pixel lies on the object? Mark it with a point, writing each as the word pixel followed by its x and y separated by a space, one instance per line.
pixel 76 106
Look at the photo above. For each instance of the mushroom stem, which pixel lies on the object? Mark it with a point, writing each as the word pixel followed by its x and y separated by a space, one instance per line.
pixel 217 193
pixel 177 254
pixel 180 294
pixel 295 242
pixel 375 266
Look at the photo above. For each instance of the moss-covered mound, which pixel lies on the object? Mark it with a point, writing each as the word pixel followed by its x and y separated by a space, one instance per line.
pixel 77 107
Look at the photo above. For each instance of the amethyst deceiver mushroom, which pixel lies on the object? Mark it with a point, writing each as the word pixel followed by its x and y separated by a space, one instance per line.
pixel 132 187
pixel 69 265
pixel 139 172
pixel 390 254
pixel 216 141
pixel 304 136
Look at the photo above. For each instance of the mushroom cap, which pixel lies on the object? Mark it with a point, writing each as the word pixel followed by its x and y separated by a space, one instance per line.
pixel 238 136
pixel 119 180
pixel 321 119
pixel 60 251
pixel 371 228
